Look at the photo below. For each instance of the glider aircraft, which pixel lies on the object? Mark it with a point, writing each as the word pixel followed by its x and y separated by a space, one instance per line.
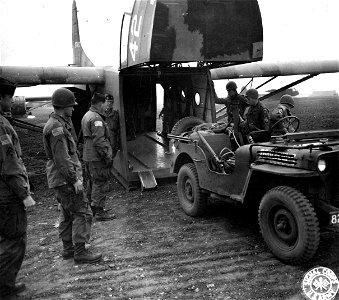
pixel 179 47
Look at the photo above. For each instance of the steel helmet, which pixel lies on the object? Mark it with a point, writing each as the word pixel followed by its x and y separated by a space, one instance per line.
pixel 253 93
pixel 63 98
pixel 287 99
pixel 7 87
pixel 231 85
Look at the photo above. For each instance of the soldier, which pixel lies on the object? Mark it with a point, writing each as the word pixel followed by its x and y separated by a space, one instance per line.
pixel 282 110
pixel 64 175
pixel 256 117
pixel 98 157
pixel 112 121
pixel 233 101
pixel 14 199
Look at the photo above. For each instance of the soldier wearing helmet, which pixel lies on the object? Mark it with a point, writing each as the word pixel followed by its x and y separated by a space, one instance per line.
pixel 15 197
pixel 235 103
pixel 256 117
pixel 231 85
pixel 98 156
pixel 283 109
pixel 64 175
pixel 287 101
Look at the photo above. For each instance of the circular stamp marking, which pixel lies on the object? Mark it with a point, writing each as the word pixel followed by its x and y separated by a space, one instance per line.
pixel 320 283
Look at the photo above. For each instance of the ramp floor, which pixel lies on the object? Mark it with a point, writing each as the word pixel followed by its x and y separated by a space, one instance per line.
pixel 148 151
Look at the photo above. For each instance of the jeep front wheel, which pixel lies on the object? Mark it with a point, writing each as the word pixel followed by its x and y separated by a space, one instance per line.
pixel 289 225
pixel 191 198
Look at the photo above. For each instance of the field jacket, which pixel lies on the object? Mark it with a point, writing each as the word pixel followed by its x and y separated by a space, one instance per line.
pixel 97 146
pixel 63 165
pixel 231 103
pixel 257 117
pixel 14 184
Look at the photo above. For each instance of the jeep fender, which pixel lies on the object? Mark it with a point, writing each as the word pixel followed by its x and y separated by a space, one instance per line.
pixel 263 177
pixel 190 154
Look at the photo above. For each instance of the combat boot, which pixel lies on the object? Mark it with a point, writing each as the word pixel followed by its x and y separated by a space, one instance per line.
pixel 8 293
pixel 68 250
pixel 103 215
pixel 83 255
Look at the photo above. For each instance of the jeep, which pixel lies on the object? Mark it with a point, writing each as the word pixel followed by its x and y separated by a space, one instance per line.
pixel 291 179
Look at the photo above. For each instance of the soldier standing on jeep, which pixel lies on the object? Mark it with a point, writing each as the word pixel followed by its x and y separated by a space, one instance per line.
pixel 235 107
pixel 232 101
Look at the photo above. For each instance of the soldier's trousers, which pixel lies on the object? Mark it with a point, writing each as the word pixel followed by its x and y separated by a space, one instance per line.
pixel 75 215
pixel 13 239
pixel 98 182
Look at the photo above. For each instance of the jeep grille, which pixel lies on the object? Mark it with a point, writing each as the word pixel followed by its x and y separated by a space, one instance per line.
pixel 277 158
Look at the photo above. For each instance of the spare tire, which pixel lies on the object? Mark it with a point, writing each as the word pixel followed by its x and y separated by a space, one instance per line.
pixel 185 124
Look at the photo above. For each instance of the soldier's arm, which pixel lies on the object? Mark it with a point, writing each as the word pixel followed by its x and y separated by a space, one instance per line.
pixel 218 100
pixel 243 104
pixel 13 171
pixel 61 155
pixel 276 115
pixel 100 142
pixel 265 119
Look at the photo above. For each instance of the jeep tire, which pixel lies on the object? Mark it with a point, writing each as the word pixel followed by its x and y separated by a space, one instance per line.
pixel 191 198
pixel 185 124
pixel 289 225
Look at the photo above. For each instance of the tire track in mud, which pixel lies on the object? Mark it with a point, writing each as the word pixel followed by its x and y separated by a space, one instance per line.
pixel 162 253
pixel 154 251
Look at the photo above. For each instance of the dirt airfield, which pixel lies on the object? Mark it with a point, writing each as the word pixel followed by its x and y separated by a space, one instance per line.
pixel 154 251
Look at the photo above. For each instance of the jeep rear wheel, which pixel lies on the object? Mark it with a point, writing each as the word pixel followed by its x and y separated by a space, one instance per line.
pixel 289 225
pixel 191 198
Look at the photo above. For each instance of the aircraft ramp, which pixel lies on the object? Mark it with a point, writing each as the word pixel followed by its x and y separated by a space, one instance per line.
pixel 148 154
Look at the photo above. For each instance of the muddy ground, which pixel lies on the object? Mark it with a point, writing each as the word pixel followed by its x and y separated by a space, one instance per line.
pixel 154 251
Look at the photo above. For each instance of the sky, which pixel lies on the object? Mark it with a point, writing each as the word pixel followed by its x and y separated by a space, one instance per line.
pixel 38 33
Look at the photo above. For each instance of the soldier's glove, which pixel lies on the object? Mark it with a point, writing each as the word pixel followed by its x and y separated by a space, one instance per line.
pixel 28 201
pixel 78 186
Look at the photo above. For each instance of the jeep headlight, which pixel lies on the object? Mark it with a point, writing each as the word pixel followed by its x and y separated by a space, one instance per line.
pixel 322 165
